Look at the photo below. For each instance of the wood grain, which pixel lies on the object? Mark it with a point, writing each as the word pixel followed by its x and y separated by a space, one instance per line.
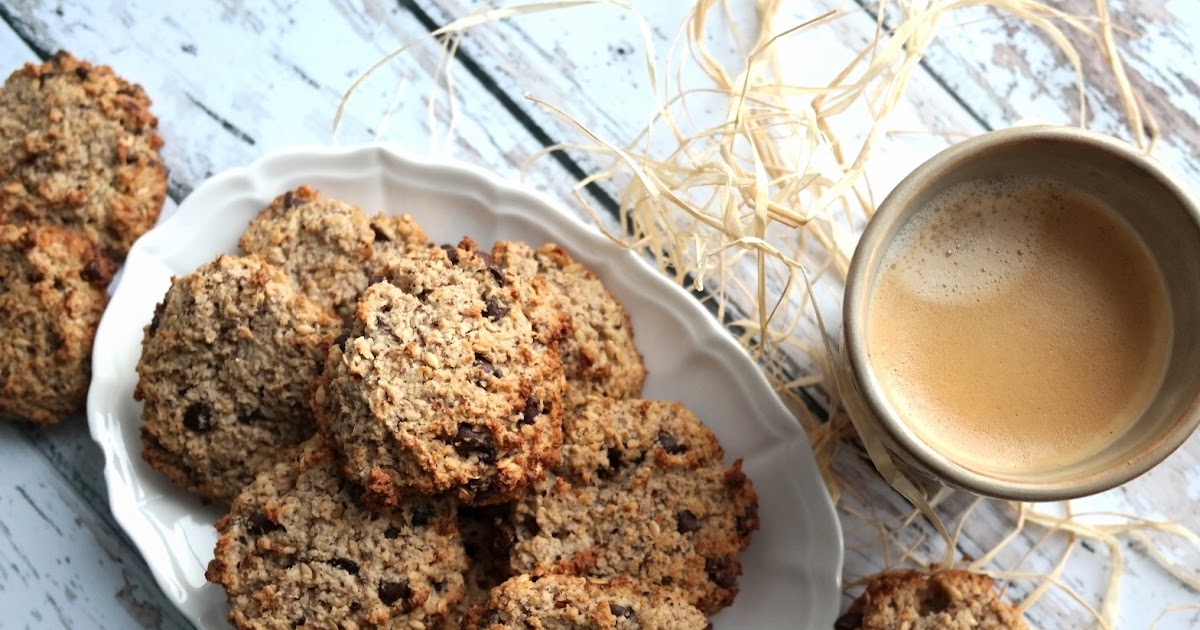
pixel 930 104
pixel 233 81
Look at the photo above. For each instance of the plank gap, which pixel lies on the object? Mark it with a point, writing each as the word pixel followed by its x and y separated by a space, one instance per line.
pixel 512 107
pixel 933 74
pixel 24 32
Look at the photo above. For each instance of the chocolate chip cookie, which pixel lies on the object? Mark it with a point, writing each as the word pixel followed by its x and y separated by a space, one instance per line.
pixel 395 235
pixel 941 600
pixel 441 383
pixel 52 294
pixel 599 357
pixel 575 603
pixel 325 246
pixel 641 491
pixel 298 550
pixel 225 374
pixel 78 148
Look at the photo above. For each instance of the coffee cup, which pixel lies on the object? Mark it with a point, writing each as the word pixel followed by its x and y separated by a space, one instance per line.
pixel 1022 316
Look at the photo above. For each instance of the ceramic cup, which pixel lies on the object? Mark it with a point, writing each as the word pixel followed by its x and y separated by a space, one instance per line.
pixel 1156 206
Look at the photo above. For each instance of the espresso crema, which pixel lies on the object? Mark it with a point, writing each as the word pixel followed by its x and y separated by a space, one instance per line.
pixel 1017 325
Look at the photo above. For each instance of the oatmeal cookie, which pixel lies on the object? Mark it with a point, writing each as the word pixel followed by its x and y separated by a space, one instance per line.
pixel 440 384
pixel 78 148
pixel 323 245
pixel 395 236
pixel 655 470
pixel 298 550
pixel 52 294
pixel 598 356
pixel 225 374
pixel 942 600
pixel 575 603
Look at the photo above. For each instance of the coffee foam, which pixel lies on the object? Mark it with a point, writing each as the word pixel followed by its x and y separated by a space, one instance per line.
pixel 970 243
pixel 1018 325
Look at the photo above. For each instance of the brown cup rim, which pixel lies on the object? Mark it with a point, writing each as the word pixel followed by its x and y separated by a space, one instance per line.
pixel 860 279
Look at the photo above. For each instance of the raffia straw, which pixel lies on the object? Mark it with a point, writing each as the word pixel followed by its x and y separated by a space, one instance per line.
pixel 756 208
pixel 1172 610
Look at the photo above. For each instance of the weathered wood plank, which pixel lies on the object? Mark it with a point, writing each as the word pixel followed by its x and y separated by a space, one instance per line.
pixel 63 564
pixel 276 87
pixel 606 87
pixel 64 561
pixel 1007 70
pixel 274 90
pixel 604 66
pixel 232 83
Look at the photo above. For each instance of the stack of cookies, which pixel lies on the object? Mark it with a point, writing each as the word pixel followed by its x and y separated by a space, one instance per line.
pixel 422 436
pixel 80 180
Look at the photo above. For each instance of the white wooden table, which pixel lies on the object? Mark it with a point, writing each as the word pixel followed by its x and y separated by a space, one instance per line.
pixel 233 80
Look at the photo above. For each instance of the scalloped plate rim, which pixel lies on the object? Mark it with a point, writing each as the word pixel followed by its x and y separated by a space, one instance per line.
pixel 703 335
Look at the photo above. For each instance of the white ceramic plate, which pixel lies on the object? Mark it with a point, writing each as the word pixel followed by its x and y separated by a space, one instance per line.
pixel 793 566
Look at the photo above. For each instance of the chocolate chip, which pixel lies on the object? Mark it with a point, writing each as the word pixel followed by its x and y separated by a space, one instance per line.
pixel 82 73
pixel 468 441
pixel 252 416
pixel 157 319
pixel 380 235
pixel 349 566
pixel 687 522
pixel 481 485
pixel 341 340
pixel 531 527
pixel 355 606
pixel 533 406
pixel 493 268
pixel 390 592
pixel 487 367
pixel 93 272
pixel 451 253
pixel 391 533
pixel 495 308
pixel 934 602
pixel 620 611
pixel 290 200
pixel 198 417
pixel 422 515
pixel 614 464
pixel 131 159
pixel 258 524
pixel 748 522
pixel 670 444
pixel 720 572
pixel 299 621
pixel 560 604
pixel 849 621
